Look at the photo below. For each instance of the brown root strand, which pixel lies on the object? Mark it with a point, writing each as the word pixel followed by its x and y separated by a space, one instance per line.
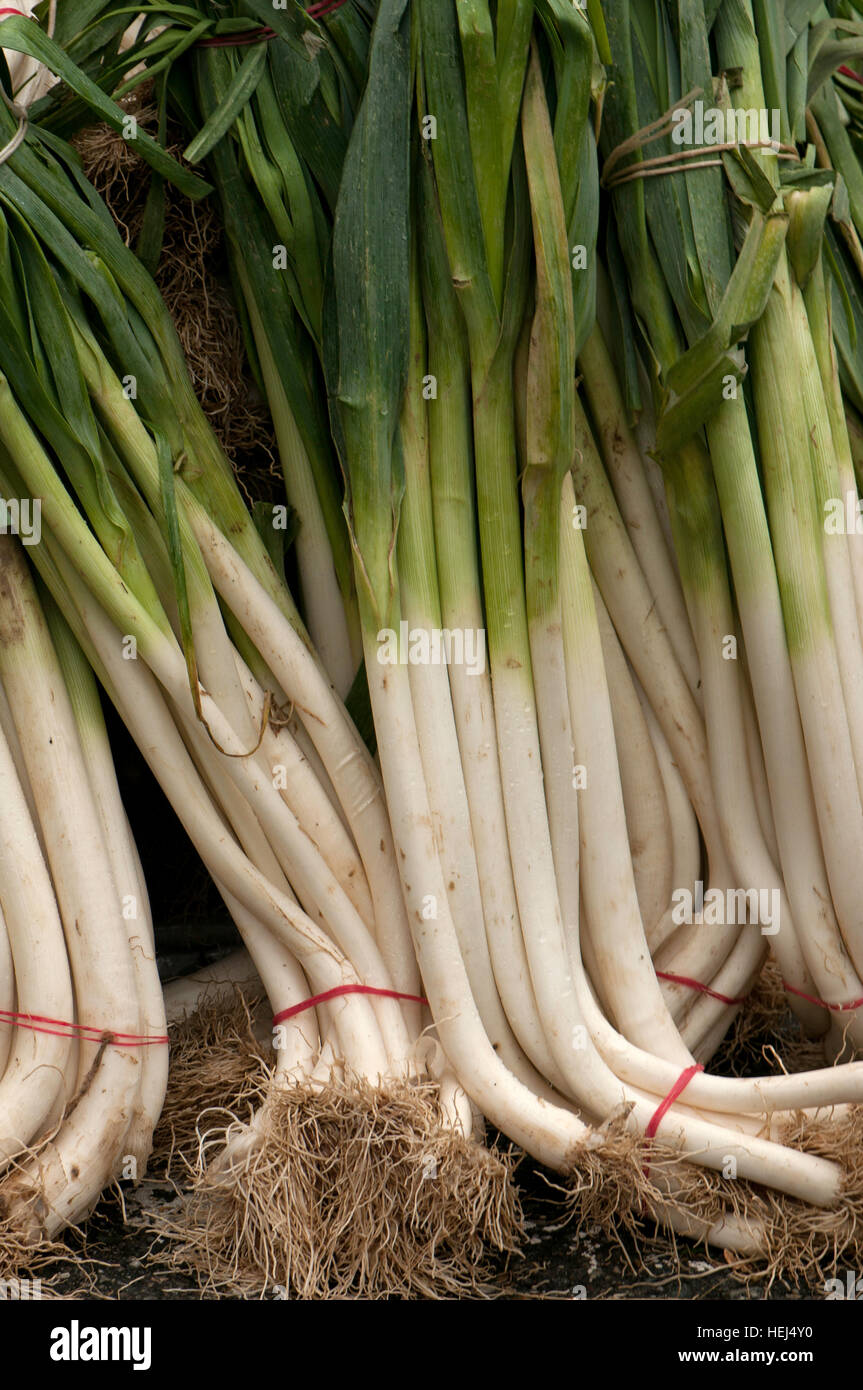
pixel 215 1059
pixel 764 1037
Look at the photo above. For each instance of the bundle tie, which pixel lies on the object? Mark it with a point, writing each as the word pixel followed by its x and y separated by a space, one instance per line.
pixel 702 989
pixel 83 1031
pixel 834 1008
pixel 675 163
pixel 665 1105
pixel 344 989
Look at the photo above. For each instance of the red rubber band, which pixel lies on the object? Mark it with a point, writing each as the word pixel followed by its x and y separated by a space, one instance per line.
pixel 834 1008
pixel 85 1031
pixel 344 989
pixel 7 9
pixel 696 984
pixel 665 1105
pixel 849 72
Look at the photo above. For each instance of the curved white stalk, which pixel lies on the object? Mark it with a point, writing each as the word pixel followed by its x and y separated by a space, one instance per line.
pixel 309 802
pixel 757 769
pixel 625 469
pixel 795 532
pixel 36 976
pixel 618 938
pixel 738 974
pixel 7 725
pixel 346 759
pixel 323 601
pixel 146 715
pixel 86 1150
pixel 126 868
pixel 7 992
pixel 475 723
pixel 631 608
pixel 251 836
pixel 648 822
pixel 316 887
pixel 685 842
pixel 432 704
pixel 723 707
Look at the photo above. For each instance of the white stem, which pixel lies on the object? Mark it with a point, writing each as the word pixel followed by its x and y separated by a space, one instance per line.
pixel 608 884
pixel 346 759
pixel 146 716
pixel 473 709
pixel 685 842
pixel 126 868
pixel 309 802
pixel 441 758
pixel 625 468
pixel 36 969
pixel 88 1145
pixel 648 822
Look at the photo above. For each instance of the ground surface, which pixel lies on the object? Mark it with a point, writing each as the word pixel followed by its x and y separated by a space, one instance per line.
pixel 121 1258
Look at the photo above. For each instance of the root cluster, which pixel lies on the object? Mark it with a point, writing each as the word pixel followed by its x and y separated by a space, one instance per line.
pixel 215 1059
pixel 343 1190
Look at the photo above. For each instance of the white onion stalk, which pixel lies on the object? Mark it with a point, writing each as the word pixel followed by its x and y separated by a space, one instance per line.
pixel 685 843
pixel 625 469
pixel 649 826
pixel 130 883
pixel 608 883
pixel 436 728
pixel 36 976
pixel 703 571
pixel 450 445
pixel 302 791
pixel 332 626
pixel 795 535
pixel 85 1154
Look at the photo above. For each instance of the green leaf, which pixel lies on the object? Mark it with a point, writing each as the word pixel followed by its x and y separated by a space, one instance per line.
pixel 807 209
pixel 222 117
pixel 178 569
pixel 148 247
pixel 692 388
pixel 551 364
pixel 370 252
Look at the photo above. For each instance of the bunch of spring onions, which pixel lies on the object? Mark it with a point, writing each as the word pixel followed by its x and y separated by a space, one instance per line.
pixel 156 565
pixel 557 385
pixel 83 1060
